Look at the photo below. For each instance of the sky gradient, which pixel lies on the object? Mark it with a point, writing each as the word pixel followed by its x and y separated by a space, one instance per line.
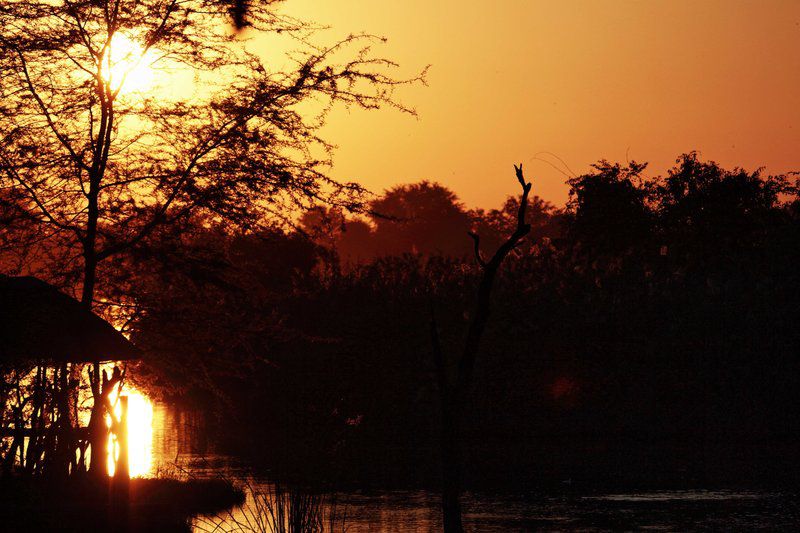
pixel 583 80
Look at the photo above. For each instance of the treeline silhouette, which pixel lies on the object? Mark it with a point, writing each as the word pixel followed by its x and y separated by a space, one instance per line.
pixel 646 331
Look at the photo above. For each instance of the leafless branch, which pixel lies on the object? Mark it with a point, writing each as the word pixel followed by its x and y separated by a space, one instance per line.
pixel 477 241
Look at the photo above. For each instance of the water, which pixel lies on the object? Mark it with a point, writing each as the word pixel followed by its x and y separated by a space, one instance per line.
pixel 656 511
pixel 178 440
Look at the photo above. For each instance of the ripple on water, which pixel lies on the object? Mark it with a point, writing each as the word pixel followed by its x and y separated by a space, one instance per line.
pixel 682 495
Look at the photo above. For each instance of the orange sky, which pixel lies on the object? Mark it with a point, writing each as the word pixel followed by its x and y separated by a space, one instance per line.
pixel 582 79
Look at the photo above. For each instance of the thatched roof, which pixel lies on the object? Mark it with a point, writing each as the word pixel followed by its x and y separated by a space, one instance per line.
pixel 39 322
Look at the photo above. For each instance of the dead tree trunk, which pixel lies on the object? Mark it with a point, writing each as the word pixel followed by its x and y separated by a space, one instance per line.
pixel 455 379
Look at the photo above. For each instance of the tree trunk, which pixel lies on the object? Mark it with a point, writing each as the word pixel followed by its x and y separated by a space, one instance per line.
pixel 451 464
pixel 98 433
pixel 454 386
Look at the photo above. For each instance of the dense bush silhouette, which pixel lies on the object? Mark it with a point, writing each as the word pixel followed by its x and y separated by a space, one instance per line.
pixel 657 332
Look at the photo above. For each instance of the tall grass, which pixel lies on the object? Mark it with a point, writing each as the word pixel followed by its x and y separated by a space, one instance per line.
pixel 276 508
pixel 273 507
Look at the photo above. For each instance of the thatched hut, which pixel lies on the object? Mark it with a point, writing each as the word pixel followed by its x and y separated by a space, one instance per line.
pixel 46 339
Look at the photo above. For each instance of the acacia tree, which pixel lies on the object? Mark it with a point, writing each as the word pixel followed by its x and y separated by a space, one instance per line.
pixel 98 164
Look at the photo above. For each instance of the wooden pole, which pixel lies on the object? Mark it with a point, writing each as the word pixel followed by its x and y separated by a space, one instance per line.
pixel 120 502
pixel 123 463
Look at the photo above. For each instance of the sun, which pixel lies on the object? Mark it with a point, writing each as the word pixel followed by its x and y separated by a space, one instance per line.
pixel 127 66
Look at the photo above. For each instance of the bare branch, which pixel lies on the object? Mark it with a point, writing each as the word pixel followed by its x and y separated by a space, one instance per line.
pixel 14 176
pixel 45 111
pixel 477 241
pixel 478 324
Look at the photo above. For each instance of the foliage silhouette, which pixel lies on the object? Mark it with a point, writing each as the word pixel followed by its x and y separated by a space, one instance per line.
pixel 647 353
pixel 95 168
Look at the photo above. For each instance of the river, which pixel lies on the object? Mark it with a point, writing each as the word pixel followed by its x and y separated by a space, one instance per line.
pixel 179 448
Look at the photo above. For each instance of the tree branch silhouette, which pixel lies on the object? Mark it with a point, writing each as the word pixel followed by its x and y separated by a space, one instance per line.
pixel 454 387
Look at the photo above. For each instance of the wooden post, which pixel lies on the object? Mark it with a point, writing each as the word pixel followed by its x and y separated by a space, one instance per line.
pixel 120 501
pixel 98 432
pixel 123 469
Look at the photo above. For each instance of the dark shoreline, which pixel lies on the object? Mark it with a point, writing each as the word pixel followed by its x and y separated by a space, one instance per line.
pixel 28 504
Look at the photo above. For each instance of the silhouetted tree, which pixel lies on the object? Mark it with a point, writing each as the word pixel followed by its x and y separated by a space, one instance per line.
pixel 352 239
pixel 103 167
pixel 424 218
pixel 455 374
pixel 706 211
pixel 607 209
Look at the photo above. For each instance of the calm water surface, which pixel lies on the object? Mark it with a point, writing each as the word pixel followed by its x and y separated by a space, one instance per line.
pixel 179 449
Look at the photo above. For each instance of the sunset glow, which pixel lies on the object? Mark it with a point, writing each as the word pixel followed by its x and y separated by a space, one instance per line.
pixel 376 266
pixel 128 66
pixel 533 80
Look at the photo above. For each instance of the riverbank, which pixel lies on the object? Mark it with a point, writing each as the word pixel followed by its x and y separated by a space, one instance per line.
pixel 78 505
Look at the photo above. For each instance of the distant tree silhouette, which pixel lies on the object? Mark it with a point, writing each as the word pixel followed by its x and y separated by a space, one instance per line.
pixel 706 211
pixel 493 225
pixel 355 243
pixel 424 218
pixel 351 238
pixel 607 209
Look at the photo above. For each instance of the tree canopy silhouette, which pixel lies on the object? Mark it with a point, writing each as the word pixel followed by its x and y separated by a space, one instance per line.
pixel 96 165
pixel 100 166
pixel 426 219
pixel 591 352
